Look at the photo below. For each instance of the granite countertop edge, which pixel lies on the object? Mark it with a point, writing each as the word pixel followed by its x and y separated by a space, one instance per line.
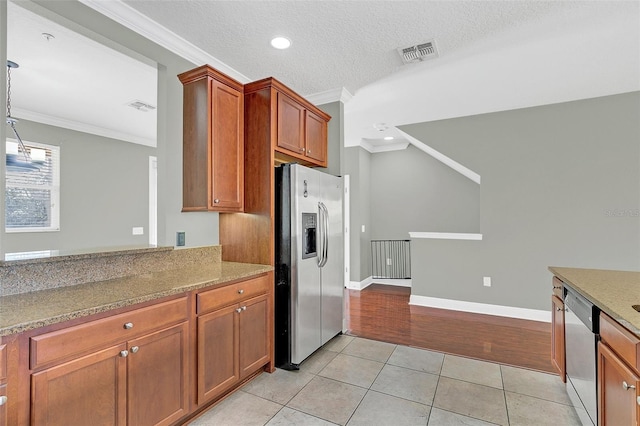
pixel 614 292
pixel 29 311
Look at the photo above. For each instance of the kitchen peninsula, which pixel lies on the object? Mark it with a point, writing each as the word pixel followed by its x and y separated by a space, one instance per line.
pixel 91 346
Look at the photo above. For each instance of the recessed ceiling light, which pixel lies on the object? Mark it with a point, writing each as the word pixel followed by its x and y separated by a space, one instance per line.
pixel 388 138
pixel 280 42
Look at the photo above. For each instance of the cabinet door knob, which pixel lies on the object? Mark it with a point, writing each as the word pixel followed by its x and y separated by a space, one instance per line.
pixel 240 291
pixel 626 386
pixel 3 399
pixel 638 400
pixel 128 325
pixel 135 349
pixel 301 149
pixel 124 354
pixel 244 308
pixel 238 310
pixel 309 152
pixel 216 201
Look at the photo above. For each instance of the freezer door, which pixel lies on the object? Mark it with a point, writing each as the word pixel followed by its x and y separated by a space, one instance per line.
pixel 305 275
pixel 332 273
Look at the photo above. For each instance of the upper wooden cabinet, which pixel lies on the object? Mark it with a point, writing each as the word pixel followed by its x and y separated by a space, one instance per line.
pixel 300 127
pixel 213 141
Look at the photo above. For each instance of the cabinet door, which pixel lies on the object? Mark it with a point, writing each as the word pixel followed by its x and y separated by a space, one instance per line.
pixel 86 391
pixel 217 352
pixel 290 124
pixel 227 151
pixel 254 335
pixel 157 385
pixel 316 138
pixel 617 388
pixel 557 336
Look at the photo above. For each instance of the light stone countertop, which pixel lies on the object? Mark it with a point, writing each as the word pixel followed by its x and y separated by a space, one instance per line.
pixel 27 311
pixel 614 292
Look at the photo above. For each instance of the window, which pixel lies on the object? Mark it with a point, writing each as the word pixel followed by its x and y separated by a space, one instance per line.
pixel 32 197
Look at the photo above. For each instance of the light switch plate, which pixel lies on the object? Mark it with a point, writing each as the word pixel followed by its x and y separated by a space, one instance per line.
pixel 138 230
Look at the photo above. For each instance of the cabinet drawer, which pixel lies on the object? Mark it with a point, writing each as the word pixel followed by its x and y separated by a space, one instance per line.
pixel 58 345
pixel 621 340
pixel 232 293
pixel 558 288
pixel 3 362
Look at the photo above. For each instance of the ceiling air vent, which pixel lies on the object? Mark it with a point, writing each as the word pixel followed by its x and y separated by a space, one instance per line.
pixel 419 52
pixel 141 106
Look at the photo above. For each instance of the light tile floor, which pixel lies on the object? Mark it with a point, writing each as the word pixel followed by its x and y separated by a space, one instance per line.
pixel 353 381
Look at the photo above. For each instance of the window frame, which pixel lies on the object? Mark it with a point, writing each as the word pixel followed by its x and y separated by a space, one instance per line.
pixel 54 189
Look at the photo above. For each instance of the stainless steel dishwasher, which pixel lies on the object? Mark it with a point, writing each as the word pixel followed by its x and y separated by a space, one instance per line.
pixel 581 338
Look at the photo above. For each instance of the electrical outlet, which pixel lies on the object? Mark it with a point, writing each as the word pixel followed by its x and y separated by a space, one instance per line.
pixel 138 230
pixel 389 261
pixel 362 228
pixel 180 239
pixel 486 281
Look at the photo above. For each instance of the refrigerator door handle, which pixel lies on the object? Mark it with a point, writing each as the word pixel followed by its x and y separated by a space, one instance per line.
pixel 324 234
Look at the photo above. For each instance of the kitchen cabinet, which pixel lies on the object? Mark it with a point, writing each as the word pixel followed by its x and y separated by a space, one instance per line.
pixel 213 141
pixel 3 385
pixel 618 374
pixel 130 368
pixel 234 335
pixel 557 329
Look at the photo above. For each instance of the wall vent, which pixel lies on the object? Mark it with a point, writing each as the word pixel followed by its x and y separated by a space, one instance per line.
pixel 419 52
pixel 141 106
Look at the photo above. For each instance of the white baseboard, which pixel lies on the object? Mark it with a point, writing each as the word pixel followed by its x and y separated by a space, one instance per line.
pixel 481 308
pixel 361 285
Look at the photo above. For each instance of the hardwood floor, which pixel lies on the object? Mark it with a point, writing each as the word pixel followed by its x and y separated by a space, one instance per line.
pixel 382 312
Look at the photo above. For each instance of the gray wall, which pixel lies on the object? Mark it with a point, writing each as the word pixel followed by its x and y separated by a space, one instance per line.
pixel 411 191
pixel 357 163
pixel 560 186
pixel 335 137
pixel 201 228
pixel 104 191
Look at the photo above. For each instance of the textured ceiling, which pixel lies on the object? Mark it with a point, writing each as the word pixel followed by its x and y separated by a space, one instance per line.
pixel 336 43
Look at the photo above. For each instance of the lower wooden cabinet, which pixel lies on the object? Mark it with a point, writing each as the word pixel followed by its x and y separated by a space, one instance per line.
pixel 140 382
pixel 557 337
pixel 87 390
pixel 137 367
pixel 233 343
pixel 618 389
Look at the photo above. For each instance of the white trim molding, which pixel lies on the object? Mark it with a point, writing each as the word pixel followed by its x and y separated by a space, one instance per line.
pixel 481 308
pixel 445 236
pixel 130 18
pixel 361 285
pixel 333 95
pixel 466 172
pixel 393 146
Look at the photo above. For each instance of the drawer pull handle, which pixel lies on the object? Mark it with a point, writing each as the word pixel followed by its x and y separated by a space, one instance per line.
pixel 124 354
pixel 128 325
pixel 216 201
pixel 244 308
pixel 626 386
pixel 135 349
pixel 238 310
pixel 3 399
pixel 558 287
pixel 240 291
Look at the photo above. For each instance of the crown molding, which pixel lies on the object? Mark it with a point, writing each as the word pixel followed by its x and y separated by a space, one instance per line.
pixel 81 127
pixel 130 18
pixel 333 95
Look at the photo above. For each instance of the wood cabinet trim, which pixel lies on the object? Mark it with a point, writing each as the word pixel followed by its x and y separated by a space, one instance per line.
pixel 274 83
pixel 206 71
pixel 57 346
pixel 620 340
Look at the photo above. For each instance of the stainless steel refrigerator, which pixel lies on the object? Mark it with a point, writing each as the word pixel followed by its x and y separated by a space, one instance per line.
pixel 309 262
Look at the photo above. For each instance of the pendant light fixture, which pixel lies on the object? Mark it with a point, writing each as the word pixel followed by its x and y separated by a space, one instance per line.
pixel 12 161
